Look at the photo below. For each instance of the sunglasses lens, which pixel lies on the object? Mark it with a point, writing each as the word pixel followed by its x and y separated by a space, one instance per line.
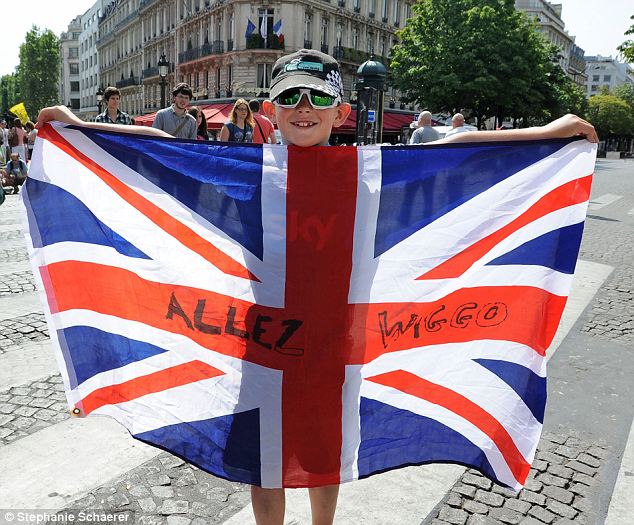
pixel 321 100
pixel 289 98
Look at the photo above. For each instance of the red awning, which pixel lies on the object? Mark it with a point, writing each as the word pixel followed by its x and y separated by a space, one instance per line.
pixel 218 114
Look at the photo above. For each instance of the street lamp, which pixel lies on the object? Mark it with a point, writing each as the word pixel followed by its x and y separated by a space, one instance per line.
pixel 99 98
pixel 163 68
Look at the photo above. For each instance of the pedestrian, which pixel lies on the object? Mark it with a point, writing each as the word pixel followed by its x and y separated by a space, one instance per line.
pixel 457 125
pixel 17 139
pixel 306 104
pixel 4 139
pixel 264 131
pixel 31 135
pixel 112 114
pixel 201 122
pixel 424 133
pixel 175 120
pixel 239 128
pixel 14 173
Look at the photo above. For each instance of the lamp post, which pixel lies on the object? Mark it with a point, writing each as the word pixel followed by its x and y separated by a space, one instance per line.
pixel 99 98
pixel 163 67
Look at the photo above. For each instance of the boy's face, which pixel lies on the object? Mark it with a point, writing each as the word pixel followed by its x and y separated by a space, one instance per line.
pixel 304 125
pixel 181 101
pixel 113 102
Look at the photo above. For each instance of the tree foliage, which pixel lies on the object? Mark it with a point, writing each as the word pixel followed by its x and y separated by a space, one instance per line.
pixel 481 55
pixel 610 115
pixel 38 71
pixel 627 47
pixel 9 94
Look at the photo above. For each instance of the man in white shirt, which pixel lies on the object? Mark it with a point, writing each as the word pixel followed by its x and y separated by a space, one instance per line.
pixel 457 123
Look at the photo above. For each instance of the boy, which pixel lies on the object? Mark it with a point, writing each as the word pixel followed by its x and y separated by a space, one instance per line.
pixel 112 113
pixel 306 103
pixel 175 120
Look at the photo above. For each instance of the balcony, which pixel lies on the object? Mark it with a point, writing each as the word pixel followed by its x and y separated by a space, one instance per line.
pixel 150 72
pixel 371 15
pixel 229 45
pixel 357 9
pixel 308 44
pixel 324 48
pixel 127 82
pixel 341 3
pixel 215 48
pixel 255 41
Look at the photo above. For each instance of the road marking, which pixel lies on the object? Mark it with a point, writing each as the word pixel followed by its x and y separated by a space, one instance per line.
pixel 599 202
pixel 53 467
pixel 620 510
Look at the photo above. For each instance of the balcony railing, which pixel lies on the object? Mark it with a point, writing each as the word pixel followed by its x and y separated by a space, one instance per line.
pixel 356 55
pixel 308 44
pixel 324 48
pixel 215 48
pixel 255 41
pixel 230 45
pixel 150 72
pixel 126 82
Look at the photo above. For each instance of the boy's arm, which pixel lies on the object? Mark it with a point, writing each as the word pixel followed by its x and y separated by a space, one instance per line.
pixel 65 115
pixel 564 127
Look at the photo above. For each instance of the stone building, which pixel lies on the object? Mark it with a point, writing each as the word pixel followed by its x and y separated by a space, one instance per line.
pixel 69 92
pixel 547 16
pixel 227 48
pixel 606 72
pixel 89 62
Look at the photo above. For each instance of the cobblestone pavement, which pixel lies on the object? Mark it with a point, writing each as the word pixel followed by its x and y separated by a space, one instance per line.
pixel 27 408
pixel 13 255
pixel 19 282
pixel 612 313
pixel 20 330
pixel 558 490
pixel 11 235
pixel 166 490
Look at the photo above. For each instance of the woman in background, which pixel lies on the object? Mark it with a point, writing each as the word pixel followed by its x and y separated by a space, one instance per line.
pixel 240 125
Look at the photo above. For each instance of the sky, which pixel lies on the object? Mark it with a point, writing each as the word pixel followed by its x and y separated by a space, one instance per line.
pixel 598 25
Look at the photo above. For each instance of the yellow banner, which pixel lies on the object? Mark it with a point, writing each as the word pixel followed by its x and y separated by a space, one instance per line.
pixel 19 110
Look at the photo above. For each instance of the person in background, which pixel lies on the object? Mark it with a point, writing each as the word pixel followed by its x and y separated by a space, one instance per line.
pixel 264 131
pixel 31 135
pixel 112 114
pixel 457 125
pixel 201 122
pixel 175 120
pixel 17 139
pixel 240 125
pixel 14 173
pixel 4 139
pixel 424 132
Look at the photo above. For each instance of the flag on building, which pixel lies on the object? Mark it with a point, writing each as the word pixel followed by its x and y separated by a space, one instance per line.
pixel 19 110
pixel 308 316
pixel 250 28
pixel 277 29
pixel 264 26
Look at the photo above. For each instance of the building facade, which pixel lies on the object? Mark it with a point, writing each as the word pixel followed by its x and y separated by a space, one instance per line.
pixel 226 48
pixel 547 16
pixel 89 62
pixel 606 72
pixel 69 90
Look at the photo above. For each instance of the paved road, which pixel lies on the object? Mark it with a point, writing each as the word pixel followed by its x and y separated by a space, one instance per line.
pixel 583 472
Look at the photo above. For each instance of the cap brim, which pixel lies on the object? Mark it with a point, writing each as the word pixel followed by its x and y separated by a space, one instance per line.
pixel 303 81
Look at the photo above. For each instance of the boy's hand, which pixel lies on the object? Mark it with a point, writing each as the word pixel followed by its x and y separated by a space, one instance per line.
pixel 571 126
pixel 60 113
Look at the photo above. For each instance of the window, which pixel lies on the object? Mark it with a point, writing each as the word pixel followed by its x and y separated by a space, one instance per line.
pixel 265 21
pixel 74 69
pixel 264 76
pixel 397 12
pixel 607 78
pixel 73 52
pixel 355 38
pixel 595 78
pixel 74 86
pixel 383 48
pixel 384 10
pixel 324 31
pixel 371 8
pixel 370 43
pixel 594 87
pixel 308 27
pixel 356 4
pixel 339 37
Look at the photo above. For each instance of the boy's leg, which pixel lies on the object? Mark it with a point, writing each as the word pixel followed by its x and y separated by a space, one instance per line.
pixel 323 503
pixel 268 505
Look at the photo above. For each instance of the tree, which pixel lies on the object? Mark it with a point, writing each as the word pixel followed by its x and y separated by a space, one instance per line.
pixel 9 94
pixel 610 115
pixel 627 47
pixel 38 71
pixel 481 55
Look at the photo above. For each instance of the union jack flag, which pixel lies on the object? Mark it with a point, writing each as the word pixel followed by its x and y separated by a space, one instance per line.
pixel 293 317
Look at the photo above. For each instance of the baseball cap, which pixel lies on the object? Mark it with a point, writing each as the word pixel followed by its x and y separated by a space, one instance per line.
pixel 306 68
